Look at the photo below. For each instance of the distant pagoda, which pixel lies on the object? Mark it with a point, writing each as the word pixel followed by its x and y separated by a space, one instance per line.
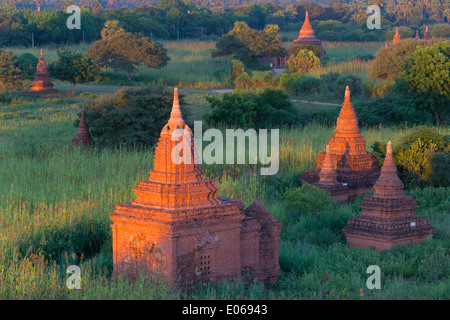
pixel 177 229
pixel 307 36
pixel 41 82
pixel 388 218
pixel 396 37
pixel 83 134
pixel 356 168
pixel 427 35
pixel 417 35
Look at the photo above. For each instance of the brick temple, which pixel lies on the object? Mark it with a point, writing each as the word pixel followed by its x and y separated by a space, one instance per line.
pixel 307 36
pixel 417 35
pixel 178 229
pixel 396 37
pixel 42 82
pixel 388 218
pixel 83 136
pixel 356 169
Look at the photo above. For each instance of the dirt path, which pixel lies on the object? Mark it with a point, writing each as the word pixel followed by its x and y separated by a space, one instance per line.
pixel 110 89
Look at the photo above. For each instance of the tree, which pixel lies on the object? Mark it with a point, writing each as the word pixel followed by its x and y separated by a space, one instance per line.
pixel 426 75
pixel 111 30
pixel 10 75
pixel 74 68
pixel 245 43
pixel 304 61
pixel 125 51
pixel 131 118
pixel 27 63
pixel 388 61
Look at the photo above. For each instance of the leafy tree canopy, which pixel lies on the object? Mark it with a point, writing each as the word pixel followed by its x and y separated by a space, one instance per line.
pixel 125 51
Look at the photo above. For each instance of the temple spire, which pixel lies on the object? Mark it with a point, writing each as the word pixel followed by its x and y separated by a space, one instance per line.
pixel 427 35
pixel 176 118
pixel 388 184
pixel 83 134
pixel 396 37
pixel 328 175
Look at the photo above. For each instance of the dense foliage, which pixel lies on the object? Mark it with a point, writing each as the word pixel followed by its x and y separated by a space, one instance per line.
pixel 269 108
pixel 124 51
pixel 131 118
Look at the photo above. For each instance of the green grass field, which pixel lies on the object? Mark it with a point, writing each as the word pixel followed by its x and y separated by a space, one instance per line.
pixel 55 203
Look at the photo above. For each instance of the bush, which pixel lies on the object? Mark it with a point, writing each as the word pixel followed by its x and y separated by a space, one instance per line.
pixel 294 50
pixel 304 61
pixel 306 86
pixel 250 110
pixel 27 63
pixel 131 118
pixel 353 82
pixel 222 74
pixel 287 78
pixel 5 98
pixel 329 36
pixel 391 110
pixel 307 199
pixel 237 68
pixel 421 157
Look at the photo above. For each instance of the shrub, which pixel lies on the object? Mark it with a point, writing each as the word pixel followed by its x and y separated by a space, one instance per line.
pixel 250 110
pixel 440 170
pixel 421 157
pixel 294 50
pixel 306 85
pixel 308 199
pixel 222 74
pixel 5 98
pixel 391 110
pixel 243 81
pixel 27 63
pixel 287 78
pixel 237 68
pixel 369 37
pixel 353 82
pixel 304 61
pixel 366 57
pixel 131 117
pixel 329 36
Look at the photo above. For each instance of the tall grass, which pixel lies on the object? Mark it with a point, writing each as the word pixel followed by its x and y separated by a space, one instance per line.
pixel 191 65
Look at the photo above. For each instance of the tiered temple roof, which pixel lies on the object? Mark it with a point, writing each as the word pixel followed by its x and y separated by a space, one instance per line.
pixel 355 167
pixel 41 82
pixel 179 230
pixel 307 36
pixel 388 218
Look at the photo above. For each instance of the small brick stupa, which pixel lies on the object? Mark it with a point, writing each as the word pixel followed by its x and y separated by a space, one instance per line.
pixel 177 228
pixel 417 35
pixel 396 37
pixel 307 36
pixel 388 218
pixel 427 35
pixel 83 134
pixel 355 167
pixel 41 82
pixel 328 179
